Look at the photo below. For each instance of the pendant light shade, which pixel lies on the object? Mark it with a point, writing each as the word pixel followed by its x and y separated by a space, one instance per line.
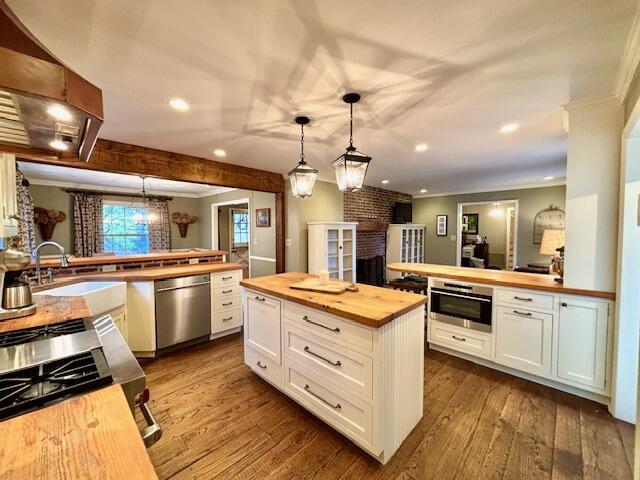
pixel 303 177
pixel 351 166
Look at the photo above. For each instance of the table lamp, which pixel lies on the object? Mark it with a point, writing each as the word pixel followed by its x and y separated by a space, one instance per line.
pixel 553 244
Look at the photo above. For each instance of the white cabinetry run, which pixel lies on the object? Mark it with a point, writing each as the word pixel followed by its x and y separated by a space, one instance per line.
pixel 560 340
pixel 365 382
pixel 405 244
pixel 332 247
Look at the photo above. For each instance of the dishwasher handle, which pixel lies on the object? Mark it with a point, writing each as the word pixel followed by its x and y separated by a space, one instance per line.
pixel 167 289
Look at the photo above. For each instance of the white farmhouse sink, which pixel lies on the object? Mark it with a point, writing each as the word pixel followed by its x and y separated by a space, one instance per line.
pixel 101 297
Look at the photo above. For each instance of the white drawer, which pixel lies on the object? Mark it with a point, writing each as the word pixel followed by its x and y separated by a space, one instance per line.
pixel 227 319
pixel 225 303
pixel 226 291
pixel 226 278
pixel 460 339
pixel 263 366
pixel 329 326
pixel 525 298
pixel 337 364
pixel 346 413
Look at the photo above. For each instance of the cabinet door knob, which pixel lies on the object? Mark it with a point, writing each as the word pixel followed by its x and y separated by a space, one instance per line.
pixel 564 304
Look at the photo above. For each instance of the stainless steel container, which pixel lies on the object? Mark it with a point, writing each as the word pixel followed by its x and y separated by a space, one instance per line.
pixel 17 295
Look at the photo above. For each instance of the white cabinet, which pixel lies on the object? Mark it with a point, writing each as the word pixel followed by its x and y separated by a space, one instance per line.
pixel 332 247
pixel 262 329
pixel 405 244
pixel 226 308
pixel 582 339
pixel 8 199
pixel 524 339
pixel 119 318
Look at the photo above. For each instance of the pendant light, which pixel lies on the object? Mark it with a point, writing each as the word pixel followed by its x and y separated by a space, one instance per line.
pixel 351 166
pixel 150 217
pixel 303 177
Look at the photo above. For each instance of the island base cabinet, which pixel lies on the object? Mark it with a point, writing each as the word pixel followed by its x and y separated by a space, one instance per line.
pixel 262 325
pixel 263 366
pixel 582 342
pixel 524 340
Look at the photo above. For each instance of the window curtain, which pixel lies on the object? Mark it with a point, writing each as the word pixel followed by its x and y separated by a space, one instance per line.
pixel 26 239
pixel 87 224
pixel 159 224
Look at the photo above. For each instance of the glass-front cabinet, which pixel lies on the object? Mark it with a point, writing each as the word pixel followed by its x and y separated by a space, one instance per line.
pixel 332 247
pixel 405 244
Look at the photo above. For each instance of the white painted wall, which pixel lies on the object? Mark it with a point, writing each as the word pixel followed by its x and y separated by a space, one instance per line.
pixel 593 180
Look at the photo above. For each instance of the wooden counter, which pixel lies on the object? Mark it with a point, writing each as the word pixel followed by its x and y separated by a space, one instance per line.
pixel 144 257
pixel 373 306
pixel 89 436
pixel 504 278
pixel 142 275
pixel 50 310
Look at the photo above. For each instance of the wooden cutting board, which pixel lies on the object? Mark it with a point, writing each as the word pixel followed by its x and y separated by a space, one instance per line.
pixel 335 287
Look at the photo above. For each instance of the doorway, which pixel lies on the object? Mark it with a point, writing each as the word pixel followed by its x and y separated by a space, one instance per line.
pixel 487 234
pixel 231 231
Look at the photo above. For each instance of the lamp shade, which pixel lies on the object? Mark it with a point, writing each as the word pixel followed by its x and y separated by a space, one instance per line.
pixel 351 168
pixel 303 178
pixel 551 240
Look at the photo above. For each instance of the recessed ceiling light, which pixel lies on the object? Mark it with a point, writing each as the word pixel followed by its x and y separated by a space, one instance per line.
pixel 218 152
pixel 421 147
pixel 548 177
pixel 424 190
pixel 58 145
pixel 509 128
pixel 384 182
pixel 179 104
pixel 59 113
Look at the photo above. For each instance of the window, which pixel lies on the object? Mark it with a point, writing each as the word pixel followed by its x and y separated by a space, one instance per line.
pixel 125 228
pixel 240 222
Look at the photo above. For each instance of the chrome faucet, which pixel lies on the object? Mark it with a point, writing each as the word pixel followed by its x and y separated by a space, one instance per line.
pixel 63 259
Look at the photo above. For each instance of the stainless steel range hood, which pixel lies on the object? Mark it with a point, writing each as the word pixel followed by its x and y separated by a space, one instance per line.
pixel 46 110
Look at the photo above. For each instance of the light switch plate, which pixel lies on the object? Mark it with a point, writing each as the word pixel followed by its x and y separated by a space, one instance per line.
pixel 108 268
pixel 193 261
pixel 288 242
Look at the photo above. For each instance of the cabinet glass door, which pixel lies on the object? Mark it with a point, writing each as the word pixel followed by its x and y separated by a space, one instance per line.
pixel 333 250
pixel 346 254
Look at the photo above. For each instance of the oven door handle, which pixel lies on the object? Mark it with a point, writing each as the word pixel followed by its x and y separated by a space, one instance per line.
pixel 480 299
pixel 152 432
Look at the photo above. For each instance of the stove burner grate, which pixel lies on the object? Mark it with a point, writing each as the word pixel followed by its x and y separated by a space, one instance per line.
pixel 27 335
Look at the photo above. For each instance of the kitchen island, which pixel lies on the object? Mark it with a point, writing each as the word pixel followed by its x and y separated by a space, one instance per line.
pixel 355 360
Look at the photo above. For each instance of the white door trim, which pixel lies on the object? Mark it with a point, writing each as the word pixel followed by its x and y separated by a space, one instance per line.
pixel 215 245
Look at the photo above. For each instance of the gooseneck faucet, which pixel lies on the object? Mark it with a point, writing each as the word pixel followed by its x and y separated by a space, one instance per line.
pixel 63 259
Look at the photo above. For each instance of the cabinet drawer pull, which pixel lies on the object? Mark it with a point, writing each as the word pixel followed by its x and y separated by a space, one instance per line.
pixel 227 278
pixel 306 319
pixel 261 365
pixel 261 299
pixel 460 339
pixel 227 319
pixel 337 406
pixel 523 299
pixel 227 291
pixel 524 314
pixel 227 304
pixel 335 364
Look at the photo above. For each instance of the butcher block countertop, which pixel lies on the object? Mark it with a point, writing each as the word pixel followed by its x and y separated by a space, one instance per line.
pixel 533 281
pixel 89 436
pixel 142 274
pixel 372 306
pixel 50 310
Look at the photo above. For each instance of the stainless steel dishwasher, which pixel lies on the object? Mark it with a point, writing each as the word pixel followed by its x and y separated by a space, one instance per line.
pixel 183 310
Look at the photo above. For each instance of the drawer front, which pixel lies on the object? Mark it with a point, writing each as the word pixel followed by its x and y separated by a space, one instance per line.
pixel 346 413
pixel 338 365
pixel 227 319
pixel 329 326
pixel 226 278
pixel 226 291
pixel 225 303
pixel 460 339
pixel 525 298
pixel 263 366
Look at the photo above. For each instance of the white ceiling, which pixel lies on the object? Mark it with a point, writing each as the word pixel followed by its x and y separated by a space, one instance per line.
pixel 445 73
pixel 112 182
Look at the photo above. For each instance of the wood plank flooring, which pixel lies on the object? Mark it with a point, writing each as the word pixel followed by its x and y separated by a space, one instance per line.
pixel 222 421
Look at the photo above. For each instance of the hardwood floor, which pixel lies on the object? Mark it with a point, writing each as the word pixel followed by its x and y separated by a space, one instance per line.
pixel 222 421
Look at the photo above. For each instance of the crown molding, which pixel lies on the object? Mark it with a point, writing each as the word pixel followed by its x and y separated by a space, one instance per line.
pixel 554 183
pixel 630 59
pixel 612 100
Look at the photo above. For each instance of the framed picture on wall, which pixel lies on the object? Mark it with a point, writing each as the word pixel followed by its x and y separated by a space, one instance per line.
pixel 470 223
pixel 263 217
pixel 441 225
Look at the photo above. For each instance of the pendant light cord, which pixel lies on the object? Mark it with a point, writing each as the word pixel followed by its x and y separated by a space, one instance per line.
pixel 351 128
pixel 302 144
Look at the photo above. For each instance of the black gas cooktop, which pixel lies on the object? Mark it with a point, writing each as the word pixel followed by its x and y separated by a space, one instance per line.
pixel 34 387
pixel 43 332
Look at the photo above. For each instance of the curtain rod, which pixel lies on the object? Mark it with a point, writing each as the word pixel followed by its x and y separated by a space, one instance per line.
pixel 116 194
